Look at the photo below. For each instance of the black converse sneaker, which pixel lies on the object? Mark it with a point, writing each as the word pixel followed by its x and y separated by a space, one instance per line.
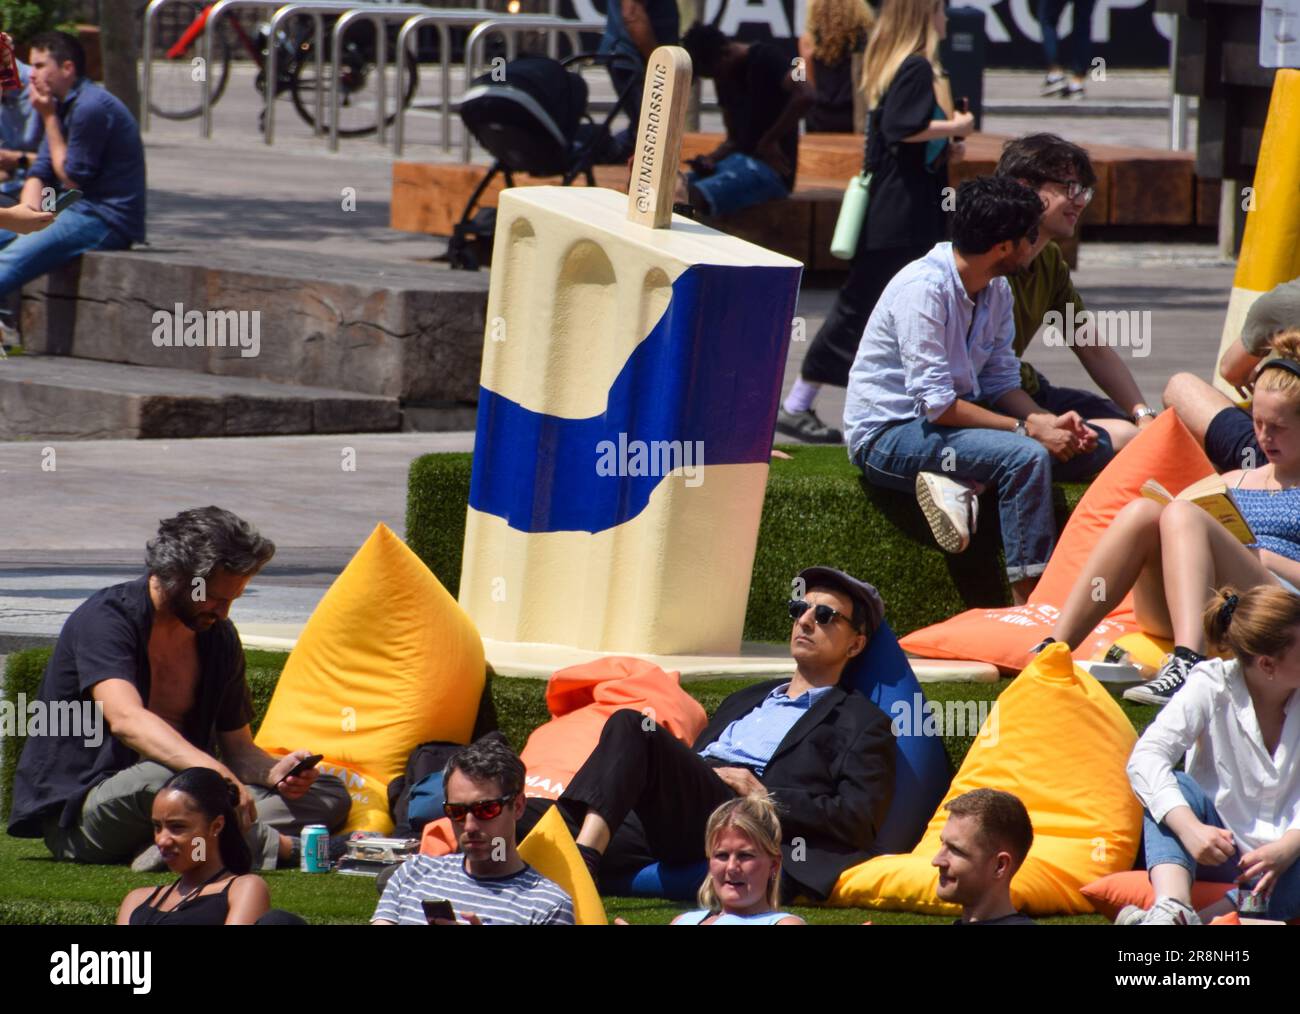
pixel 1169 679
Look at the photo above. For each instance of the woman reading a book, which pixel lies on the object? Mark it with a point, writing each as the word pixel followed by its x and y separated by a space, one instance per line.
pixel 1170 589
pixel 1232 816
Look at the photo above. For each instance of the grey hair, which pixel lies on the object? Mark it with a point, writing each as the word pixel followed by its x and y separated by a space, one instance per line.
pixel 196 541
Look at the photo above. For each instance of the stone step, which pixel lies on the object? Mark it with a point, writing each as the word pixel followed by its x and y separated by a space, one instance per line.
pixel 65 398
pixel 410 331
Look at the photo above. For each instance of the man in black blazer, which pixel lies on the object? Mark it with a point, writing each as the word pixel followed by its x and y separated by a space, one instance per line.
pixel 825 754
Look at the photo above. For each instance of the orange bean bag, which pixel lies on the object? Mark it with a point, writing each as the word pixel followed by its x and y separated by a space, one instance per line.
pixel 580 699
pixel 1165 451
pixel 1133 887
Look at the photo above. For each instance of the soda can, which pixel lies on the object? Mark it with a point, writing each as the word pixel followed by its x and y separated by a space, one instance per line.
pixel 315 849
pixel 1251 904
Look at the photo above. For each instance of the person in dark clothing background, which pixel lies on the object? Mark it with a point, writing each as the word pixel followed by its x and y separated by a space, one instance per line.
pixel 633 30
pixel 831 48
pixel 911 135
pixel 762 104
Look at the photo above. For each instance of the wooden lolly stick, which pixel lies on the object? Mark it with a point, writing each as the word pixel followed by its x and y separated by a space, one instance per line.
pixel 659 137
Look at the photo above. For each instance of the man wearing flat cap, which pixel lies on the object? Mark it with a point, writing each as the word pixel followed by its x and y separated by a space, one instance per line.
pixel 825 754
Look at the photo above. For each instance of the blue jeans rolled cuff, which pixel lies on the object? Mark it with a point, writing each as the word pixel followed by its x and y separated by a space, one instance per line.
pixel 739 181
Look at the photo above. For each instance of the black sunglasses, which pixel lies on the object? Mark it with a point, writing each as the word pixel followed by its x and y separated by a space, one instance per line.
pixel 822 613
pixel 483 809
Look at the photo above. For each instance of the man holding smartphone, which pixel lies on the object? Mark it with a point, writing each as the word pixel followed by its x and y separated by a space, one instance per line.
pixel 161 668
pixel 91 144
pixel 486 883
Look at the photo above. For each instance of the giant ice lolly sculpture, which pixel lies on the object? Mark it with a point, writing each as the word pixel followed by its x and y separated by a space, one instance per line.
pixel 1270 247
pixel 631 373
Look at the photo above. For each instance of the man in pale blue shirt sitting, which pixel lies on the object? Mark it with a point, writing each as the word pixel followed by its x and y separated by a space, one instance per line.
pixel 934 400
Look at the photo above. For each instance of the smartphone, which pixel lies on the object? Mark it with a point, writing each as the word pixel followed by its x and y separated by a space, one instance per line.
pixel 67 199
pixel 306 764
pixel 437 908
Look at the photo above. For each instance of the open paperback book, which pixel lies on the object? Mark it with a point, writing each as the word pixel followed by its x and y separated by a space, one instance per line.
pixel 1212 495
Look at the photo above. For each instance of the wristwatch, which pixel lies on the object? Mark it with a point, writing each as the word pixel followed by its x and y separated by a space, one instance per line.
pixel 1022 428
pixel 24 161
pixel 1144 412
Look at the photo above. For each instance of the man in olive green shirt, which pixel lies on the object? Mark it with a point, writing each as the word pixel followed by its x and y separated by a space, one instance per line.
pixel 1062 174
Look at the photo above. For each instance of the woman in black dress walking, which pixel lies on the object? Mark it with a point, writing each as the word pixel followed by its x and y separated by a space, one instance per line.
pixel 912 132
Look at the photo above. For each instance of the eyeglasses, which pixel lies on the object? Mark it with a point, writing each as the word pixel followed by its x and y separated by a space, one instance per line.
pixel 1074 189
pixel 483 809
pixel 822 613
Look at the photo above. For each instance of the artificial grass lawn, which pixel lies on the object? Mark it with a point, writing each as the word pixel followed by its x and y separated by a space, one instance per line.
pixel 34 890
pixel 41 892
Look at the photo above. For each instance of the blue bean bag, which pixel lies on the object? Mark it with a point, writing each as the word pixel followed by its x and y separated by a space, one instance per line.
pixel 921 776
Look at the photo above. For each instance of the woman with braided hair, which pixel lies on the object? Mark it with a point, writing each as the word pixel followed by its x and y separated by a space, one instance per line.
pixel 1233 816
pixel 1170 589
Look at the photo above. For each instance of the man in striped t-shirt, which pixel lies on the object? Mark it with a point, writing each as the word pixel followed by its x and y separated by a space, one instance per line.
pixel 486 883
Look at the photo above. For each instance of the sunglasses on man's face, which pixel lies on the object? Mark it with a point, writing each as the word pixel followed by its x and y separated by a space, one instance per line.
pixel 822 613
pixel 483 809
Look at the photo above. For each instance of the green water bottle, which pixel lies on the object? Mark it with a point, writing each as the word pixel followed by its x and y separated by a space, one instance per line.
pixel 853 211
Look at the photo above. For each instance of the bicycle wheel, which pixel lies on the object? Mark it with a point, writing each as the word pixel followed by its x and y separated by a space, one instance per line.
pixel 359 98
pixel 176 92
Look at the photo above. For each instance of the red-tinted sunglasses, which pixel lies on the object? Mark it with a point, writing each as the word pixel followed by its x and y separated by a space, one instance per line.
pixel 483 809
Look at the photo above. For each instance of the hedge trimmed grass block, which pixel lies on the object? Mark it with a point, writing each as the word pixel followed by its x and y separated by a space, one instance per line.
pixel 817 510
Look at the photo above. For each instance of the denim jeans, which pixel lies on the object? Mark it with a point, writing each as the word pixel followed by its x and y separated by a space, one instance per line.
pixel 739 181
pixel 1017 469
pixel 1162 846
pixel 1080 34
pixel 70 235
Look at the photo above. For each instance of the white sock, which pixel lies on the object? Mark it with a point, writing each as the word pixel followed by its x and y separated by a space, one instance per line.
pixel 801 396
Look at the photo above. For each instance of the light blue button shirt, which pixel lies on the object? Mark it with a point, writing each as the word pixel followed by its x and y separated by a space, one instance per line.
pixel 752 739
pixel 928 344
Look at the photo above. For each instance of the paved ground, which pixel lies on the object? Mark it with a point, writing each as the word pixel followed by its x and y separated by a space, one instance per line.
pixel 83 525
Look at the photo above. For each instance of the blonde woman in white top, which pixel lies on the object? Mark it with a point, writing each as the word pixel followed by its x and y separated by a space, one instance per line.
pixel 1234 814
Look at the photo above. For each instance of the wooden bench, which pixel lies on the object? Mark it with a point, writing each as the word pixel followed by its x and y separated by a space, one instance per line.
pixel 1135 187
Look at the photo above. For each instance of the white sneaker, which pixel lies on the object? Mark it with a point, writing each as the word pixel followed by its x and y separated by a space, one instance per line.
pixel 951 506
pixel 1165 912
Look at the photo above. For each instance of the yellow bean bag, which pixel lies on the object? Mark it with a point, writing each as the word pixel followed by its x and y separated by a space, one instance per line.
pixel 1059 741
pixel 550 849
pixel 386 662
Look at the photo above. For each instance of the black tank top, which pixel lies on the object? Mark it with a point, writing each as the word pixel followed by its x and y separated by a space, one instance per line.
pixel 204 910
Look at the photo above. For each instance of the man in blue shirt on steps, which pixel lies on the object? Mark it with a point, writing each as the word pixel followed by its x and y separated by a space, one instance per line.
pixel 91 145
